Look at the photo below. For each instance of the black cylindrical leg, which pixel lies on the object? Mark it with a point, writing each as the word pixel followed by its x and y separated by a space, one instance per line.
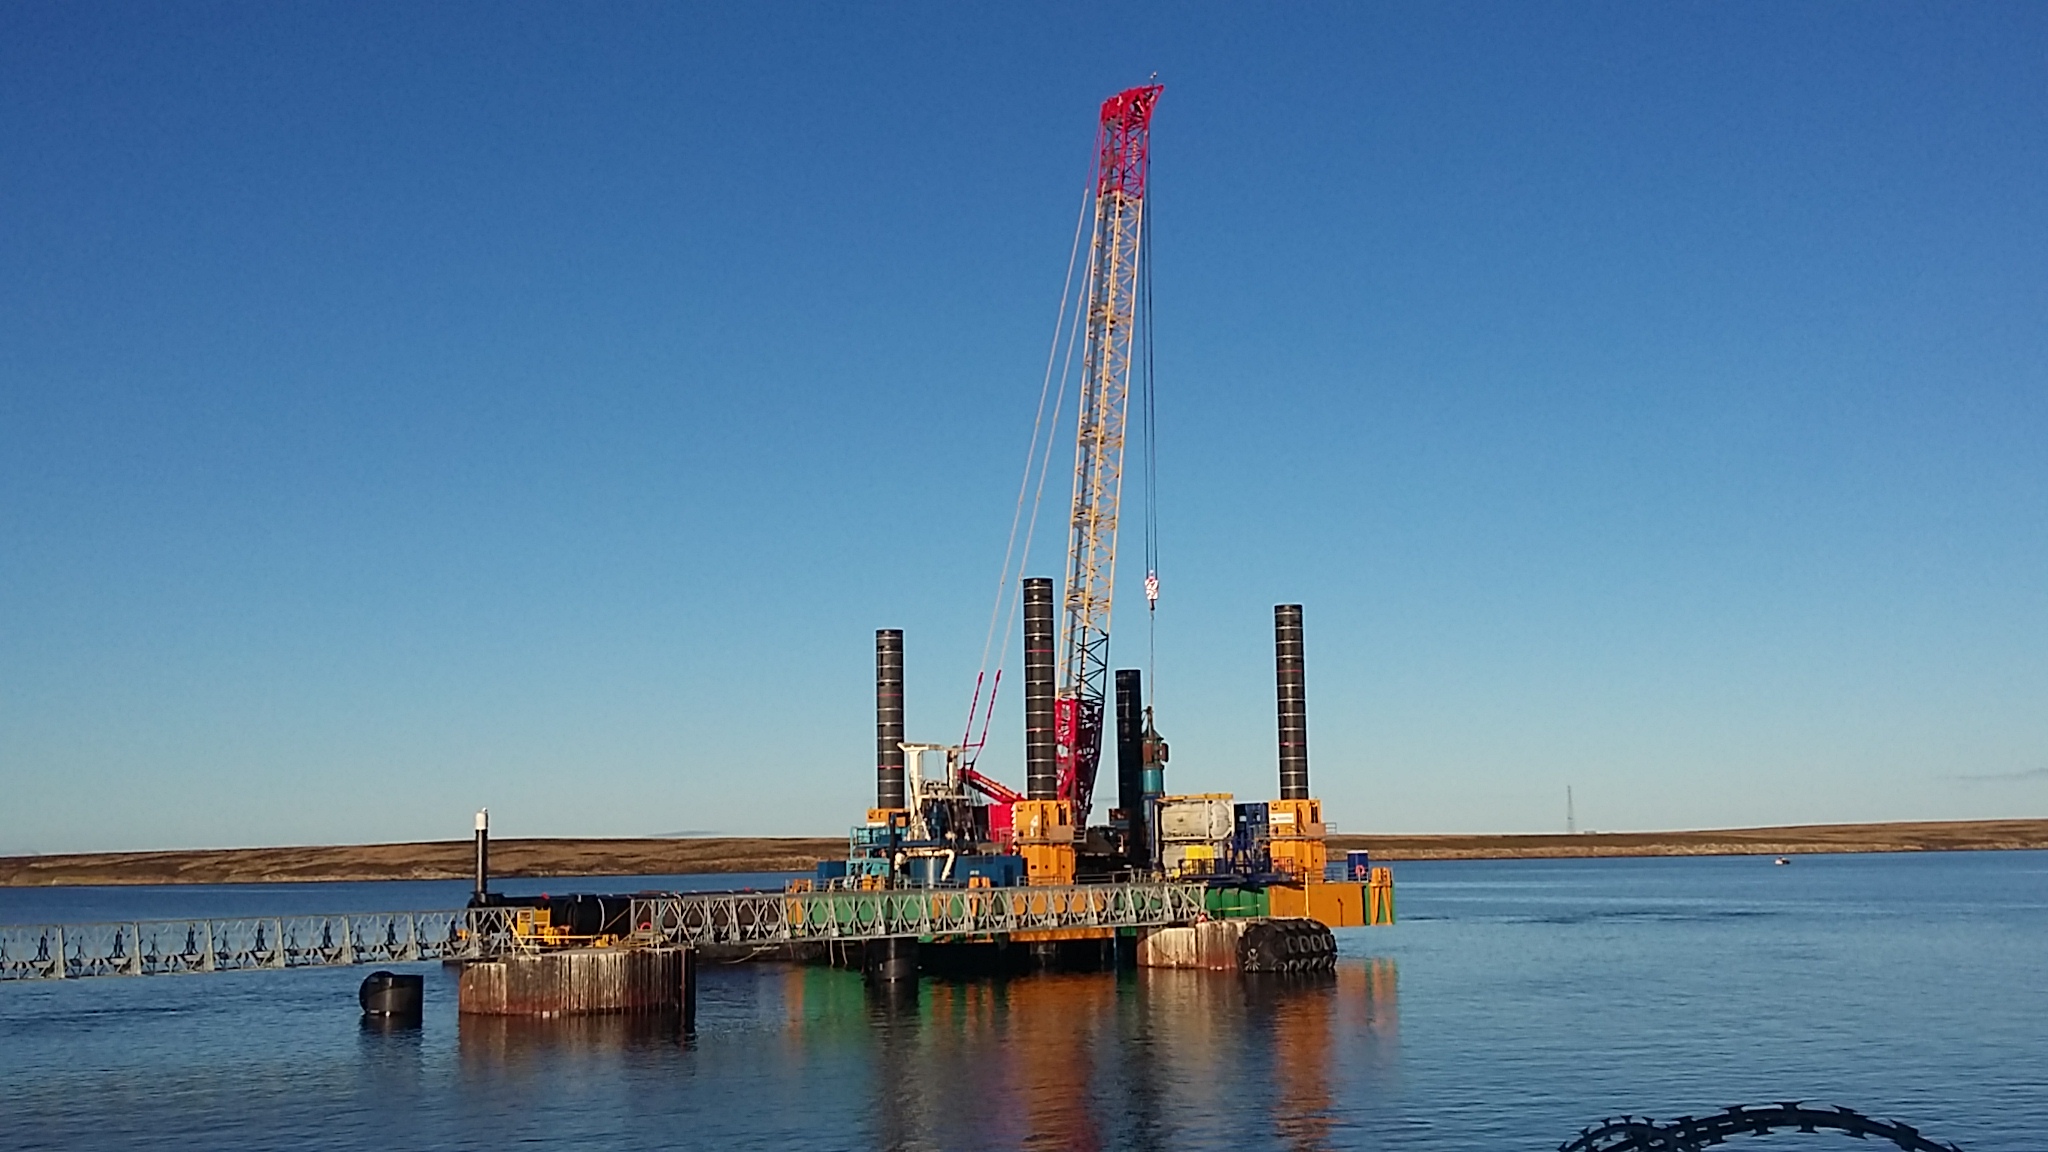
pixel 1293 700
pixel 890 960
pixel 392 996
pixel 1041 756
pixel 889 718
pixel 1130 761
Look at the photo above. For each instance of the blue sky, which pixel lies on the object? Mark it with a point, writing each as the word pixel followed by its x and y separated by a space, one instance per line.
pixel 410 408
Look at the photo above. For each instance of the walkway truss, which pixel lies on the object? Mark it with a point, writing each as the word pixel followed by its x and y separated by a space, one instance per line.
pixel 169 947
pixel 943 914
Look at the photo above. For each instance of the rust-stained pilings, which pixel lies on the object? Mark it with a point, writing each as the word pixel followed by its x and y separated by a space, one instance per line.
pixel 582 981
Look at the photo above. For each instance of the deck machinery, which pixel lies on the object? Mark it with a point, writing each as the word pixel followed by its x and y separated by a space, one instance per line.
pixel 958 826
pixel 1262 858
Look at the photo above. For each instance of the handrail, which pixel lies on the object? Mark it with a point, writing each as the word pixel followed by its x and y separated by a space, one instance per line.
pixel 233 944
pixel 242 943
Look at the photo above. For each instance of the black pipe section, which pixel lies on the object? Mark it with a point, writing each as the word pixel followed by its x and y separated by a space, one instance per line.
pixel 889 718
pixel 393 996
pixel 890 959
pixel 1130 758
pixel 1291 688
pixel 1041 757
pixel 482 895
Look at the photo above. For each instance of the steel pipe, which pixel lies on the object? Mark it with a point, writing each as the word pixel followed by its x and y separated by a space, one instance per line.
pixel 1130 760
pixel 1291 690
pixel 1041 756
pixel 889 718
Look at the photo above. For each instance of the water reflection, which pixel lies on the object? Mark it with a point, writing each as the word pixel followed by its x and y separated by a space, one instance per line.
pixel 398 1027
pixel 1080 1063
pixel 1369 1000
pixel 1148 1060
pixel 1063 1033
pixel 1768 986
pixel 1302 1017
pixel 390 1047
pixel 494 1042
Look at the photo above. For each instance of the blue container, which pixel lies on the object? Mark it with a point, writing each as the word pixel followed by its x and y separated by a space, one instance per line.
pixel 1001 871
pixel 932 872
pixel 831 869
pixel 869 836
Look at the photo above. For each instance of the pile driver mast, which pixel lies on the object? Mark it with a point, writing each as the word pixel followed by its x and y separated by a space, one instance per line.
pixel 1111 319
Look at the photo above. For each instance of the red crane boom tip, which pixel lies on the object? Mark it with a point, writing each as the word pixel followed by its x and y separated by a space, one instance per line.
pixel 1124 142
pixel 1131 108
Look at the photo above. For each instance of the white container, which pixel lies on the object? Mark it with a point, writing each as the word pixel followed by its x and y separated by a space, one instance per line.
pixel 1207 819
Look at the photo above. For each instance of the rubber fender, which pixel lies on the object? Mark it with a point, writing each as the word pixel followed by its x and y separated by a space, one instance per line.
pixel 1287 945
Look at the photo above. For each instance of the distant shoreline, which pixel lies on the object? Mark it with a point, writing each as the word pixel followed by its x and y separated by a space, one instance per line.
pixel 1792 840
pixel 450 860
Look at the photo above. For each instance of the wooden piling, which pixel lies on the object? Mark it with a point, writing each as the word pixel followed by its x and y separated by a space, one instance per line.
pixel 1210 944
pixel 1253 944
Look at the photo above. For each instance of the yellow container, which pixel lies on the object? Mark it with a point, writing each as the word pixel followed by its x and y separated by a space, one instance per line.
pixel 1338 905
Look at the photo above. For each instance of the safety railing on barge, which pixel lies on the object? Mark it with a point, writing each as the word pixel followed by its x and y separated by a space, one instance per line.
pixel 168 947
pixel 767 918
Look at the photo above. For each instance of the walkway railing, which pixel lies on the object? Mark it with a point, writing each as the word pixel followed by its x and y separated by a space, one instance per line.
pixel 765 918
pixel 166 947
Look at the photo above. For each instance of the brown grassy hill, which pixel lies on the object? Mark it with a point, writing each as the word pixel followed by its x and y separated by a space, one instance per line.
pixel 438 860
pixel 450 860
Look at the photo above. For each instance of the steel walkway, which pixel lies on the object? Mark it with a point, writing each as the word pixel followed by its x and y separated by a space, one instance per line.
pixel 168 947
pixel 743 918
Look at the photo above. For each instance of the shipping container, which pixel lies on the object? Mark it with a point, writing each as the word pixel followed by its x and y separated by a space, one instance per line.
pixel 1236 902
pixel 1206 818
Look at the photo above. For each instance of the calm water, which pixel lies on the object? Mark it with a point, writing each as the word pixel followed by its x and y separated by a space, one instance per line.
pixel 1514 1002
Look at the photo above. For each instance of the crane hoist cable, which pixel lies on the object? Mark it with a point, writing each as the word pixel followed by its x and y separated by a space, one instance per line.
pixel 1149 402
pixel 1044 429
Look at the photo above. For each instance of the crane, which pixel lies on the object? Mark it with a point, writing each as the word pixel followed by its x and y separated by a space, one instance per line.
pixel 1108 312
pixel 1111 291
